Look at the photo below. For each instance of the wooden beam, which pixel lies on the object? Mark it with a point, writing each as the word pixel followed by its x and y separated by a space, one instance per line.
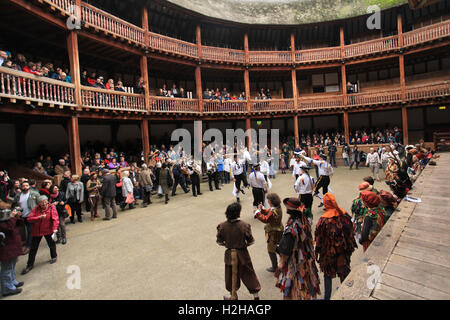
pixel 247 89
pixel 72 48
pixel 401 62
pixel 247 57
pixel 400 29
pixel 296 133
pixel 294 88
pixel 346 128
pixel 145 25
pixel 74 145
pixel 144 74
pixel 39 12
pixel 145 139
pixel 198 86
pixel 405 125
pixel 198 34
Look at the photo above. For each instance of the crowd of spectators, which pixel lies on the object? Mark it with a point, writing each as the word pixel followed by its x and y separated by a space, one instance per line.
pixel 223 95
pixel 174 92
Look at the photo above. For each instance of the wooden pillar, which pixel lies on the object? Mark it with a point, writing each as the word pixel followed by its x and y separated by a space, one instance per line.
pixel 248 126
pixel 246 73
pixel 401 57
pixel 342 41
pixel 145 139
pixel 346 128
pixel 74 145
pixel 198 85
pixel 72 49
pixel 296 134
pixel 198 34
pixel 144 60
pixel 405 125
pixel 247 89
pixel 344 83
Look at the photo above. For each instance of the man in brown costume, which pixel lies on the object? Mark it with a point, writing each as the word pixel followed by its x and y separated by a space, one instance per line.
pixel 272 217
pixel 236 236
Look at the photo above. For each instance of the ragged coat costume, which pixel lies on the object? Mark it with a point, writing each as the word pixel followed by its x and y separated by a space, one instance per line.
pixel 335 240
pixel 299 279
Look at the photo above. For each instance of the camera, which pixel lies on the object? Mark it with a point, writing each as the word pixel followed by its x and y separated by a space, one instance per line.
pixel 2 239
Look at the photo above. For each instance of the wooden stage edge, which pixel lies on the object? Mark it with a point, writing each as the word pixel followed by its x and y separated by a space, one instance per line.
pixel 412 252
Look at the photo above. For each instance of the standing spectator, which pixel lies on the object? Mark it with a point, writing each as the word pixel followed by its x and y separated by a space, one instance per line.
pixel 145 182
pixel 84 179
pixel 39 168
pixel 99 83
pixel 164 180
pixel 119 86
pixel 110 84
pixel 332 154
pixel 127 191
pixel 384 159
pixel 58 199
pixel 9 253
pixel 27 200
pixel 74 197
pixel 65 181
pixel 140 86
pixel 108 192
pixel 345 155
pixel 61 167
pixel 84 78
pixel 356 157
pixel 93 186
pixel 45 224
pixel 373 161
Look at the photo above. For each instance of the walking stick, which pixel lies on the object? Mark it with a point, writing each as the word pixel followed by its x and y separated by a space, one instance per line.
pixel 234 273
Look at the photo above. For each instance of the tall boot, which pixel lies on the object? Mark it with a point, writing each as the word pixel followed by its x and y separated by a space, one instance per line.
pixel 273 259
pixel 167 199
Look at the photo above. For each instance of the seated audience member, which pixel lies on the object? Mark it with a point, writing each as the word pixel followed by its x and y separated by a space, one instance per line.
pixel 92 80
pixel 110 84
pixel 182 94
pixel 119 86
pixel 99 84
pixel 84 78
pixel 140 86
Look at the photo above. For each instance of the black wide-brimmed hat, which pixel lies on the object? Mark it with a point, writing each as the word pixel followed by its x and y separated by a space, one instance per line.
pixel 293 204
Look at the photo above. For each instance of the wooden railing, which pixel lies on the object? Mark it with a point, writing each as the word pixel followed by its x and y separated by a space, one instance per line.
pixel 63 5
pixel 25 86
pixel 112 100
pixel 426 91
pixel 370 47
pixel 275 57
pixel 272 105
pixel 174 105
pixel 102 20
pixel 322 54
pixel 171 45
pixel 223 54
pixel 211 106
pixel 119 28
pixel 429 33
pixel 321 102
pixel 374 98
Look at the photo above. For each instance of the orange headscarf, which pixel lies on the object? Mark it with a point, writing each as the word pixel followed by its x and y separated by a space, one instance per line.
pixel 331 206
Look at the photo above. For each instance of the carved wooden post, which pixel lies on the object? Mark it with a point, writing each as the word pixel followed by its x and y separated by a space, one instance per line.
pixel 72 48
pixel 401 58
pixel 296 134
pixel 343 69
pixel 198 71
pixel 74 145
pixel 144 60
pixel 346 128
pixel 145 139
pixel 405 125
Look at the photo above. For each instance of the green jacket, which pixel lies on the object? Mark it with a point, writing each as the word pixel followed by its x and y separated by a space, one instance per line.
pixel 32 201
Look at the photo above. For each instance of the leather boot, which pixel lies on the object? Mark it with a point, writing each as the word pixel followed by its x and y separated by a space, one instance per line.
pixel 167 199
pixel 273 259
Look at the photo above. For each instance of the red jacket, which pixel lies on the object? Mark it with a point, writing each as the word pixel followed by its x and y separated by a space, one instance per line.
pixel 46 226
pixel 13 241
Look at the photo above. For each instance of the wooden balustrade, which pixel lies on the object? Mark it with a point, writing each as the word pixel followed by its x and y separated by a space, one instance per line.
pixel 426 91
pixel 112 100
pixel 321 102
pixel 270 57
pixel 64 5
pixel 429 33
pixel 102 20
pixel 223 54
pixel 371 47
pixel 272 105
pixel 25 86
pixel 171 45
pixel 374 98
pixel 174 105
pixel 210 106
pixel 322 54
